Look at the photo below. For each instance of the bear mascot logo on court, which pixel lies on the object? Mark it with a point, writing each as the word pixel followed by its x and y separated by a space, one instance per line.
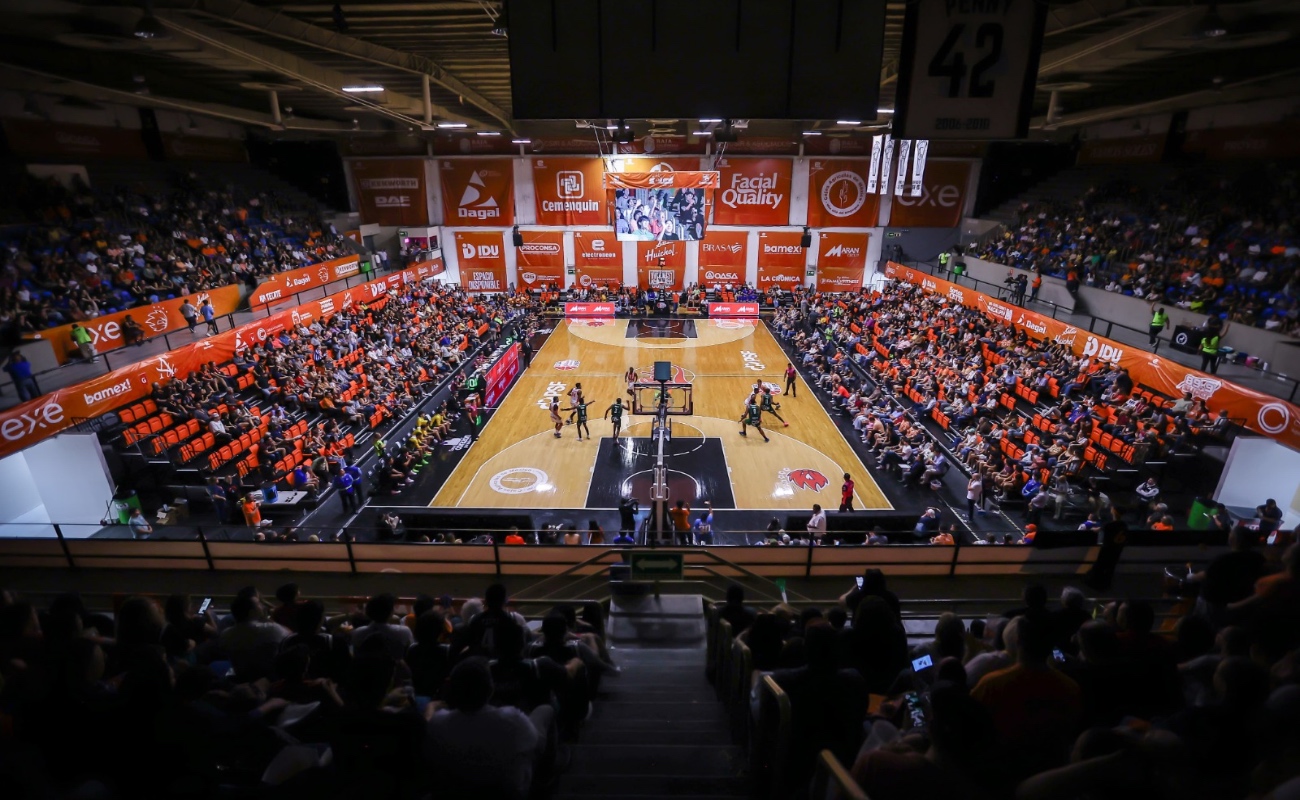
pixel 809 479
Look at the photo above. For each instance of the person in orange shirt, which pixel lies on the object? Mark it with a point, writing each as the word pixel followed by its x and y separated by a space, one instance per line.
pixel 1166 523
pixel 513 537
pixel 252 512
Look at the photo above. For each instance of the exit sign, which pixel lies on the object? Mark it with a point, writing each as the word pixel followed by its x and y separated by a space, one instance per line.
pixel 893 234
pixel 654 566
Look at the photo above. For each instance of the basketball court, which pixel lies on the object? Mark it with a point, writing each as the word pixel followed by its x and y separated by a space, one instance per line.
pixel 518 463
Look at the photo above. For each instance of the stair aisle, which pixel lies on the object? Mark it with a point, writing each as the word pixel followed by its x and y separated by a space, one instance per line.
pixel 658 731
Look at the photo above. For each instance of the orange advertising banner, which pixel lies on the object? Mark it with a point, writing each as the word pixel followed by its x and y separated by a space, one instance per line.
pixel 284 285
pixel 590 276
pixel 838 196
pixel 477 192
pixel 541 260
pixel 754 191
pixel 430 268
pixel 391 191
pixel 841 261
pixel 482 260
pixel 569 191
pixel 942 199
pixel 724 248
pixel 28 423
pixel 660 265
pixel 179 147
pixel 1146 149
pixel 781 259
pixel 597 250
pixel 1263 413
pixel 155 319
pixel 37 138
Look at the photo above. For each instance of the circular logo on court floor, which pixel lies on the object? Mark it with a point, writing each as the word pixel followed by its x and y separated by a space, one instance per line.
pixel 565 366
pixel 844 193
pixel 519 480
pixel 731 324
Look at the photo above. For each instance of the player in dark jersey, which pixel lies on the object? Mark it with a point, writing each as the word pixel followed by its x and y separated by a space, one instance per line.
pixel 765 403
pixel 580 409
pixel 616 412
pixel 753 416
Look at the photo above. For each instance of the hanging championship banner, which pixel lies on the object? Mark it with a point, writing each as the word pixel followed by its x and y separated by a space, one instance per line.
pixel 873 177
pixel 477 192
pixel 918 165
pixel 885 160
pixel 900 180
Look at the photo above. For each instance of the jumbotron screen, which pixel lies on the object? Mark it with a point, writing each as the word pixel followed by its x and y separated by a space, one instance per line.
pixel 662 215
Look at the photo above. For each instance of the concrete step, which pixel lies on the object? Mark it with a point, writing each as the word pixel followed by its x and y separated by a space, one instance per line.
pixel 702 761
pixel 651 785
pixel 658 711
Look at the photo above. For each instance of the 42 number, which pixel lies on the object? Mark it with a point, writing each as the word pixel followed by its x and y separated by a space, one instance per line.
pixel 950 61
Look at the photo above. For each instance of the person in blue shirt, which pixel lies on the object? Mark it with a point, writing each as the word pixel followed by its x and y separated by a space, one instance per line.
pixel 20 371
pixel 209 316
pixel 347 490
pixel 624 537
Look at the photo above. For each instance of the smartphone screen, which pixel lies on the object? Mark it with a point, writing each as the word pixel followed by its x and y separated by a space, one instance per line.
pixel 1058 655
pixel 207 601
pixel 859 580
pixel 921 664
pixel 915 705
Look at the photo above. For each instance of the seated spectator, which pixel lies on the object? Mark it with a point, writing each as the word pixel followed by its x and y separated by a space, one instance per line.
pixel 251 642
pixel 827 702
pixel 393 638
pixel 735 611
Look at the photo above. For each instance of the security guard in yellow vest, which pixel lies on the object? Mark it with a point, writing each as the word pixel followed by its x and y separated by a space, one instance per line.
pixel 1210 353
pixel 1159 321
pixel 943 260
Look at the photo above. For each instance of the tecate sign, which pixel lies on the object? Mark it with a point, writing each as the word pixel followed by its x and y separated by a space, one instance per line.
pixel 758 190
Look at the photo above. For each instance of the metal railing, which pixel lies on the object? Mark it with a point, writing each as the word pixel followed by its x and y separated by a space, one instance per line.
pixel 229 548
pixel 125 355
pixel 1098 325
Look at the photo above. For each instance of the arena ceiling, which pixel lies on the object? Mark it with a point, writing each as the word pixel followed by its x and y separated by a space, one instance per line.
pixel 284 66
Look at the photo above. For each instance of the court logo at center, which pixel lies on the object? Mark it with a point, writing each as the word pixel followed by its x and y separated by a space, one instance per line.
pixel 567 365
pixel 809 479
pixel 519 480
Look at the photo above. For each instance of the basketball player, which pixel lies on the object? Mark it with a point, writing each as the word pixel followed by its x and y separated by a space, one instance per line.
pixel 575 396
pixel 846 494
pixel 790 374
pixel 580 408
pixel 765 403
pixel 555 416
pixel 631 378
pixel 616 411
pixel 753 416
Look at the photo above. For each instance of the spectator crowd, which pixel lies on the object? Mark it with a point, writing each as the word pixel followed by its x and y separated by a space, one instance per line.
pixel 1212 244
pixel 80 253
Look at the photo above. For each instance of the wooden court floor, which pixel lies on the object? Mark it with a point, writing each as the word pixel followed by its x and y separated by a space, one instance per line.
pixel 517 462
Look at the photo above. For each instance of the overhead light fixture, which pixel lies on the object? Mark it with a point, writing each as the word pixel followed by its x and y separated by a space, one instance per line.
pixel 363 89
pixel 701 133
pixel 812 133
pixel 848 122
pixel 623 132
pixel 884 110
pixel 453 124
pixel 149 26
pixel 707 121
pixel 611 127
pixel 1212 26
pixel 489 133
pixel 356 124
pixel 521 141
